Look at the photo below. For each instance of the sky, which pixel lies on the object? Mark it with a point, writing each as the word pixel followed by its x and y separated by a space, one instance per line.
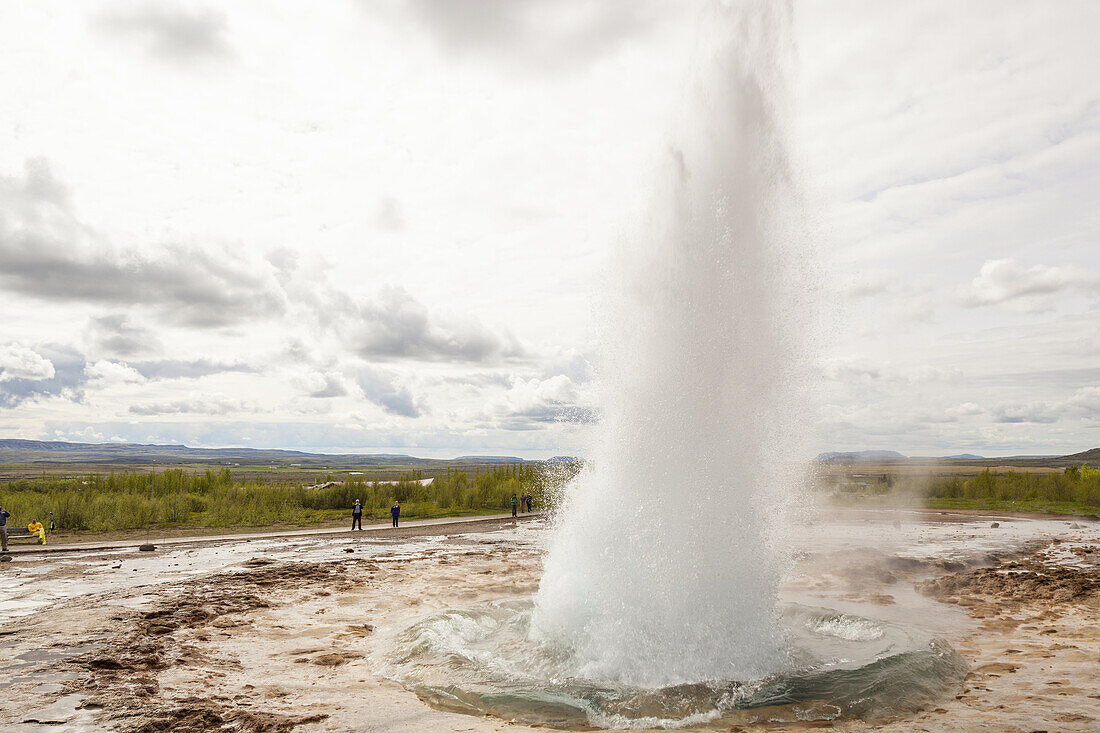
pixel 384 225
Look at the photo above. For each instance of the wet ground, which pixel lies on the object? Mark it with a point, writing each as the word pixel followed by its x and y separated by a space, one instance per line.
pixel 281 634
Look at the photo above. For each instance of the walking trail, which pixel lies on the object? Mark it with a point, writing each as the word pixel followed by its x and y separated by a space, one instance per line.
pixel 411 527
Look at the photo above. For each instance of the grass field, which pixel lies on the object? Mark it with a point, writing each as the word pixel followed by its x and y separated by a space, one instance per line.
pixel 83 497
pixel 177 500
pixel 1072 490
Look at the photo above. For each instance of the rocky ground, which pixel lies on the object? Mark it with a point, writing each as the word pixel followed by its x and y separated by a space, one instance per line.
pixel 281 637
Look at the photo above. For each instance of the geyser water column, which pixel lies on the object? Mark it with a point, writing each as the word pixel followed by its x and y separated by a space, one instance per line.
pixel 664 562
pixel 662 569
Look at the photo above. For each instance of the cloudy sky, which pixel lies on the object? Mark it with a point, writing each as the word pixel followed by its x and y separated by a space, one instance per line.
pixel 382 225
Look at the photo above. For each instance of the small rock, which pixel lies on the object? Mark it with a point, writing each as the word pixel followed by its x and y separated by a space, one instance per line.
pixel 1075 525
pixel 328 660
pixel 995 525
pixel 349 549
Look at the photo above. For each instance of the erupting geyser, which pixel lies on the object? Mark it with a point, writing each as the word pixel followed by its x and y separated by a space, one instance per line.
pixel 658 606
pixel 662 570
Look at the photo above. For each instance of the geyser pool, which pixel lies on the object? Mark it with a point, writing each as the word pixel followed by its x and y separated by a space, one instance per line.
pixel 486 662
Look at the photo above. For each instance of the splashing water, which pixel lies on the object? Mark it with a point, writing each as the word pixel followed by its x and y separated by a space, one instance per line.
pixel 662 570
pixel 483 661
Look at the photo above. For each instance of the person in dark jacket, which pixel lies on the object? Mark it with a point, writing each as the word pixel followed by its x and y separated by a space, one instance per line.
pixel 395 512
pixel 4 529
pixel 357 515
pixel 530 503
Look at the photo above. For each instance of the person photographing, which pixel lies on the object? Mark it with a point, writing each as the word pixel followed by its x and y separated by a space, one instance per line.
pixel 357 515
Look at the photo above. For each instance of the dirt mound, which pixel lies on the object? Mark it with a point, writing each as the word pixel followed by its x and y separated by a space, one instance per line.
pixel 1029 580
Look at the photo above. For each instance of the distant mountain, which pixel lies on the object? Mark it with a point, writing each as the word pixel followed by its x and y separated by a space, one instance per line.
pixel 49 451
pixel 489 459
pixel 860 455
pixel 562 459
pixel 1091 457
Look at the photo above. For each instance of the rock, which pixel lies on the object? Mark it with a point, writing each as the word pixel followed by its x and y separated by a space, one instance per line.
pixel 147 547
pixel 349 549
pixel 329 660
pixel 1075 525
pixel 995 525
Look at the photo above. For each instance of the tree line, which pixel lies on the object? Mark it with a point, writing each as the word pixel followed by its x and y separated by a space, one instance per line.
pixel 1078 485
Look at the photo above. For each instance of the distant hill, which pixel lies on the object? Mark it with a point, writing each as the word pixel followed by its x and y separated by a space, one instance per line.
pixel 48 451
pixel 1092 457
pixel 490 459
pixel 861 455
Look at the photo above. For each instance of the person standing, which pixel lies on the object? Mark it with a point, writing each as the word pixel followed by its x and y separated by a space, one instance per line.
pixel 4 529
pixel 515 503
pixel 530 503
pixel 395 512
pixel 357 515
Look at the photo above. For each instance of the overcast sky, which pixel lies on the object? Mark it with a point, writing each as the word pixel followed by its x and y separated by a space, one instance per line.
pixel 381 225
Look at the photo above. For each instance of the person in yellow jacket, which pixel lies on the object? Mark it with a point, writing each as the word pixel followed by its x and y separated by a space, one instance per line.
pixel 36 528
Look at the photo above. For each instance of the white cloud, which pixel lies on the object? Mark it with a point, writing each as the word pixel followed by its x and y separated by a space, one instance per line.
pixel 531 403
pixel 1008 281
pixel 537 35
pixel 321 384
pixel 196 403
pixel 108 373
pixel 1030 412
pixel 396 325
pixel 965 409
pixel 22 362
pixel 179 34
pixel 1086 402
